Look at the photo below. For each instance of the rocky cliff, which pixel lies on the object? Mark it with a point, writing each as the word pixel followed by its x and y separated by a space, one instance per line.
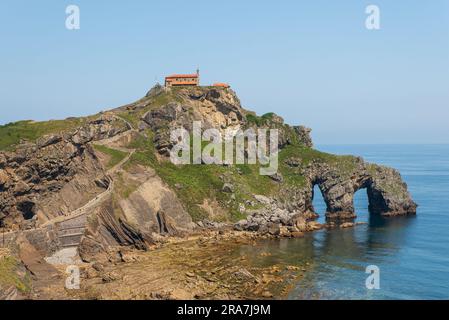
pixel 112 172
pixel 53 175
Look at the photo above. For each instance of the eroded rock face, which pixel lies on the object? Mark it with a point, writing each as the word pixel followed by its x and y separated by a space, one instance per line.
pixel 106 230
pixel 303 134
pixel 106 126
pixel 55 175
pixel 215 108
pixel 153 206
pixel 387 193
pixel 151 212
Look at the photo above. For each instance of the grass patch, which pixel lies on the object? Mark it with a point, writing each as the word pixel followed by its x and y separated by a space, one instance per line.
pixel 344 164
pixel 115 155
pixel 132 117
pixel 9 275
pixel 146 104
pixel 259 120
pixel 195 183
pixel 248 175
pixel 28 130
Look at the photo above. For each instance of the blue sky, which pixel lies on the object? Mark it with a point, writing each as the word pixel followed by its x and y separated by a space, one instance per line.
pixel 312 62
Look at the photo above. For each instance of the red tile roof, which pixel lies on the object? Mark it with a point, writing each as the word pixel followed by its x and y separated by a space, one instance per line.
pixel 221 84
pixel 194 75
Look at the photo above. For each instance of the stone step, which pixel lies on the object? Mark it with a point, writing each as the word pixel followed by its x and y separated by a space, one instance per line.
pixel 70 239
pixel 73 235
pixel 80 226
pixel 74 244
pixel 70 231
pixel 70 235
pixel 71 226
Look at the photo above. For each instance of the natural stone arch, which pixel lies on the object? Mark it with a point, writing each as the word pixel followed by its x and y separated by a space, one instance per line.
pixel 387 193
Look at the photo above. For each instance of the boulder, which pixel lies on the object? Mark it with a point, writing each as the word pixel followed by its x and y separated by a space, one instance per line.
pixel 346 225
pixel 228 188
pixel 4 178
pixel 297 234
pixel 284 231
pixel 262 199
pixel 277 177
pixel 48 140
pixel 293 162
pixel 274 228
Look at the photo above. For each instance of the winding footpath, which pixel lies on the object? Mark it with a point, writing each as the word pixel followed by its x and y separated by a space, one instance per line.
pixel 71 226
pixel 109 173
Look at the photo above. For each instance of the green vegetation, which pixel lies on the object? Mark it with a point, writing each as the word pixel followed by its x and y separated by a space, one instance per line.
pixel 196 183
pixel 305 154
pixel 259 121
pixel 388 185
pixel 345 164
pixel 9 275
pixel 165 97
pixel 132 117
pixel 12 133
pixel 115 155
pixel 142 106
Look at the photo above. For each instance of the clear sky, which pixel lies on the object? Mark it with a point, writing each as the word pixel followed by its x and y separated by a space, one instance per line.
pixel 312 62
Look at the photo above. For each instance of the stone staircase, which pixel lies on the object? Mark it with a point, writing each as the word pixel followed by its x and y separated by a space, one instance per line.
pixel 71 231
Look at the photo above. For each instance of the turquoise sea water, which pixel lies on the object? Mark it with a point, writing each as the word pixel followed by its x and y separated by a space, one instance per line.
pixel 412 253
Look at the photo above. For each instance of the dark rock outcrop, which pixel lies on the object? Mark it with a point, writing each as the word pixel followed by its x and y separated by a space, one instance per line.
pixel 303 134
pixel 155 91
pixel 106 231
pixel 218 108
pixel 51 177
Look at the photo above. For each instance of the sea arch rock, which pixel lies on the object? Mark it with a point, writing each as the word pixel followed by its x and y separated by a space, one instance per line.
pixel 387 192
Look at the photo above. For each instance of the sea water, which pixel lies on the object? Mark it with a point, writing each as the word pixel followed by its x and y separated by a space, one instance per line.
pixel 411 253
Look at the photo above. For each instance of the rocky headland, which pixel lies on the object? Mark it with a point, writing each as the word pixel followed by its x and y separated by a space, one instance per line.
pixel 91 187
